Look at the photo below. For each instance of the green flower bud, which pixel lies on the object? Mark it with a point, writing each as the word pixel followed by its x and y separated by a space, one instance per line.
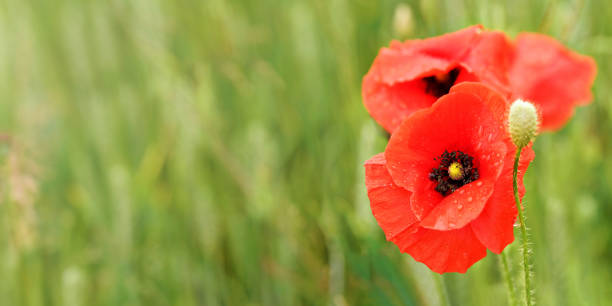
pixel 523 123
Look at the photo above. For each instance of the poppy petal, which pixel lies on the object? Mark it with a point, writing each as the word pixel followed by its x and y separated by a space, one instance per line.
pixel 424 199
pixel 459 208
pixel 393 88
pixel 495 101
pixel 414 59
pixel 490 59
pixel 442 251
pixel 458 121
pixel 552 77
pixel 388 104
pixel 494 227
pixel 466 203
pixel 390 203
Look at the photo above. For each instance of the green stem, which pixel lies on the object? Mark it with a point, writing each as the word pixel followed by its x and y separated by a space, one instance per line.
pixel 526 267
pixel 509 284
pixel 441 287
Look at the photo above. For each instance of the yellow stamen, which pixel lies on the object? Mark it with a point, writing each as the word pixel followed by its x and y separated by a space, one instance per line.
pixel 455 171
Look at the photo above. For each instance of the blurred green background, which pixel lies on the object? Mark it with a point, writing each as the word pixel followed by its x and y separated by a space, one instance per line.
pixel 210 153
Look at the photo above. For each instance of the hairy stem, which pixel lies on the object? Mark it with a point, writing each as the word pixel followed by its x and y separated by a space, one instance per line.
pixel 525 247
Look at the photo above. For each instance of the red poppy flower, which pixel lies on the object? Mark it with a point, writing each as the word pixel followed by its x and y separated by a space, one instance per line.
pixel 554 78
pixel 412 75
pixel 442 190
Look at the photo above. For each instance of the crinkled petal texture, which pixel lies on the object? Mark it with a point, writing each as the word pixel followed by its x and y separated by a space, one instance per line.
pixel 395 87
pixel 552 77
pixel 448 233
pixel 390 203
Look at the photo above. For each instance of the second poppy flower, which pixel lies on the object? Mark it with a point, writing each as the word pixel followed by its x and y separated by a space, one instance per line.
pixel 412 75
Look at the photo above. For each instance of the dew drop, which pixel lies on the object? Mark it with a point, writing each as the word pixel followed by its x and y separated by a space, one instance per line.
pixel 470 199
pixel 459 207
pixel 479 184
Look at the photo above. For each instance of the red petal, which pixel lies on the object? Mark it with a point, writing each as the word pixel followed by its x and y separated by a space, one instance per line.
pixel 459 208
pixel 496 103
pixel 490 59
pixel 442 251
pixel 418 58
pixel 390 104
pixel 458 121
pixel 466 203
pixel 390 203
pixel 552 77
pixel 393 89
pixel 424 199
pixel 495 225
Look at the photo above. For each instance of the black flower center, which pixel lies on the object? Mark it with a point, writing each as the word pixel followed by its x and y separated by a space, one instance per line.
pixel 440 84
pixel 455 170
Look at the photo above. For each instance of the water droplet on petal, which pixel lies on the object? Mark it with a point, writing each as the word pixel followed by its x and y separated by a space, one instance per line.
pixel 459 207
pixel 470 199
pixel 479 184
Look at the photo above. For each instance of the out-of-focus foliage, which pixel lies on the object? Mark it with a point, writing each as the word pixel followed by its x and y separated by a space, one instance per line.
pixel 210 153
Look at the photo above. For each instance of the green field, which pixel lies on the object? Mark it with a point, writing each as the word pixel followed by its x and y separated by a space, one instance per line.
pixel 210 153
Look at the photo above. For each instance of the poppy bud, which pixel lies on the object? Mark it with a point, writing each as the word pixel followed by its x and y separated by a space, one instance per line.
pixel 523 122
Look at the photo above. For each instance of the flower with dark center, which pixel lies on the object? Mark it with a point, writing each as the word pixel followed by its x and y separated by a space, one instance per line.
pixel 440 84
pixel 412 75
pixel 442 190
pixel 455 170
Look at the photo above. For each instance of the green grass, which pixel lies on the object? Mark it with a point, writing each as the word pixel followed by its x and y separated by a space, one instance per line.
pixel 210 153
